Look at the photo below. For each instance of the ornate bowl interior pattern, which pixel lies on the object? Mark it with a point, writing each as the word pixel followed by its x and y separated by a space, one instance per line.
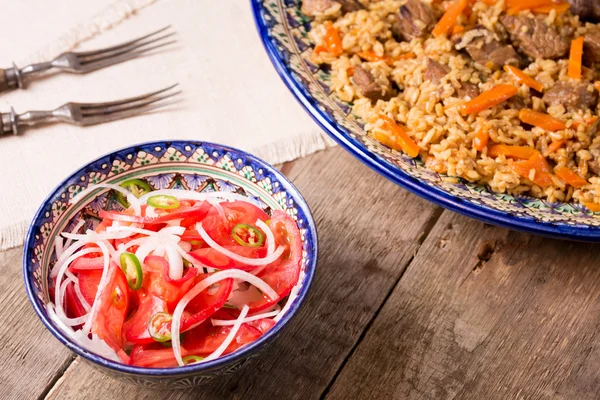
pixel 283 30
pixel 202 167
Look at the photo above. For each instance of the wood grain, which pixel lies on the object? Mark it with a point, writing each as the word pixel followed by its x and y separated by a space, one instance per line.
pixel 31 357
pixel 484 313
pixel 363 254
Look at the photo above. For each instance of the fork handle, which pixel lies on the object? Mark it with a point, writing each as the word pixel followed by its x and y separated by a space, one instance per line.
pixel 10 122
pixel 12 78
pixel 4 84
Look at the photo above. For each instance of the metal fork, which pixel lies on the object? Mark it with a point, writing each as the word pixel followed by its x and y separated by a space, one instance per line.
pixel 82 62
pixel 91 113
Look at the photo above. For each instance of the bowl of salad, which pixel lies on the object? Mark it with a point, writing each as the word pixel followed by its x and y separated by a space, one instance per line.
pixel 168 264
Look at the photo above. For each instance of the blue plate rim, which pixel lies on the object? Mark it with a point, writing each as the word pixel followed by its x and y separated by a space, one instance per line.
pixel 430 193
pixel 210 366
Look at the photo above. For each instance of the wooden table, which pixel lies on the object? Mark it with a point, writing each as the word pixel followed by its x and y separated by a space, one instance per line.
pixel 410 301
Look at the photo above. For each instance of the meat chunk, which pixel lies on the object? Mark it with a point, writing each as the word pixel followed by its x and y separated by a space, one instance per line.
pixel 368 86
pixel 350 5
pixel 414 20
pixel 534 38
pixel 314 8
pixel 588 10
pixel 435 71
pixel 571 95
pixel 467 90
pixel 591 47
pixel 489 52
pixel 594 163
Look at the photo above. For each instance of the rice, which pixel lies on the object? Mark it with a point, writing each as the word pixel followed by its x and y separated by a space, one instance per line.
pixel 430 112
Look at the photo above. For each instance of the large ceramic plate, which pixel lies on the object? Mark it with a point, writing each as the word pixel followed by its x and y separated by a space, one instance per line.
pixel 283 30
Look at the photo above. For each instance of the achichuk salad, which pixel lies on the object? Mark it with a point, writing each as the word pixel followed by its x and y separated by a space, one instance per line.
pixel 178 277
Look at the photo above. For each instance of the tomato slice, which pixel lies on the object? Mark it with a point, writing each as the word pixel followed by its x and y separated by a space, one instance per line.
pixel 156 281
pixel 153 355
pixel 188 214
pixel 236 212
pixel 283 274
pixel 200 341
pixel 263 324
pixel 214 259
pixel 207 338
pixel 112 309
pixel 135 329
pixel 88 283
pixel 103 225
pixel 73 307
pixel 206 303
pixel 86 264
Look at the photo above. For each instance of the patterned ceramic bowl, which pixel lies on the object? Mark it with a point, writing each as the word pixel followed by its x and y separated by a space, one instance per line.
pixel 283 29
pixel 202 167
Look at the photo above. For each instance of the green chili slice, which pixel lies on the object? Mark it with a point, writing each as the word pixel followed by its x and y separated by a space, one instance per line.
pixel 132 269
pixel 169 344
pixel 163 201
pixel 191 359
pixel 159 326
pixel 137 187
pixel 247 235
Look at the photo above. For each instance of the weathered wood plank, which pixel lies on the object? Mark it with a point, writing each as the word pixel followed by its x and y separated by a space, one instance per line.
pixel 28 349
pixel 523 325
pixel 363 253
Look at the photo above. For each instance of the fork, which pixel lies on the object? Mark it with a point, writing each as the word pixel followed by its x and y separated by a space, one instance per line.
pixel 82 62
pixel 85 114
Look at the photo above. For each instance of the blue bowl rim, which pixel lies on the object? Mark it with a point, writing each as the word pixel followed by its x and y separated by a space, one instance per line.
pixel 396 175
pixel 209 366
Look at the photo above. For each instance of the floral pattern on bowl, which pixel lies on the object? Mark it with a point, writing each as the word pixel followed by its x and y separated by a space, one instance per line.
pixel 284 32
pixel 198 166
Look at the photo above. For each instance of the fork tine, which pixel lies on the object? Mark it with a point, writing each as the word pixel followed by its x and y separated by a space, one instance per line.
pixel 127 49
pixel 102 109
pixel 99 119
pixel 119 46
pixel 86 106
pixel 92 66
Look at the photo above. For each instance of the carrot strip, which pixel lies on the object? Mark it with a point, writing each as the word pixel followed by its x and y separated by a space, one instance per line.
pixel 588 121
pixel 594 207
pixel 458 29
pixel 350 71
pixel 489 2
pixel 519 5
pixel 522 78
pixel 332 42
pixel 554 146
pixel 541 120
pixel 371 56
pixel 450 18
pixel 519 152
pixel 560 8
pixel 489 99
pixel 400 137
pixel 597 85
pixel 481 139
pixel 575 58
pixel 538 163
pixel 567 175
